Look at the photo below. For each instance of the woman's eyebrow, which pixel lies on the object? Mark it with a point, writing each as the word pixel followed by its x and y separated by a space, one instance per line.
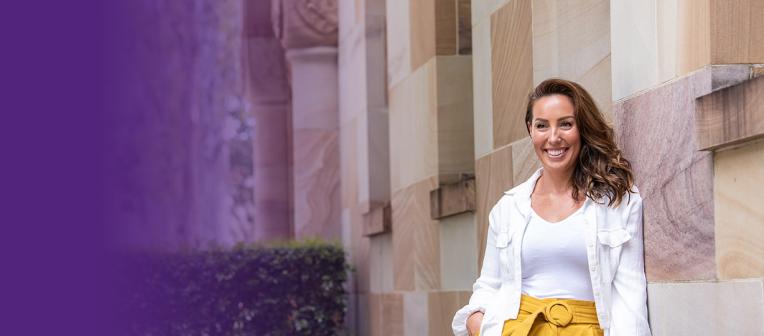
pixel 563 118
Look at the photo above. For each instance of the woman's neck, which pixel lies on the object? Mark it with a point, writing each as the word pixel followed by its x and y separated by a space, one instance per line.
pixel 554 182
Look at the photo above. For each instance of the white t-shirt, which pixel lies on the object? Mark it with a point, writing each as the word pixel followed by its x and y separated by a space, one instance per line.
pixel 554 259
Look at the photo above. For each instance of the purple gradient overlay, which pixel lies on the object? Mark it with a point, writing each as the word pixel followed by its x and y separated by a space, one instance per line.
pixel 116 138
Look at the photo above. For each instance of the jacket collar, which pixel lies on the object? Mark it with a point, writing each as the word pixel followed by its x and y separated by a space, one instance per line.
pixel 522 193
pixel 526 188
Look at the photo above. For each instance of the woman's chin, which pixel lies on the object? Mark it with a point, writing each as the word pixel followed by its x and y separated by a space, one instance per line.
pixel 555 166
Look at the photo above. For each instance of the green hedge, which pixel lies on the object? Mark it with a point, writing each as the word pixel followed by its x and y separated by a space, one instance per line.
pixel 290 289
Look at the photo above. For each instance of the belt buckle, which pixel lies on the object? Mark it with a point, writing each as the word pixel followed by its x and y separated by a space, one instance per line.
pixel 558 313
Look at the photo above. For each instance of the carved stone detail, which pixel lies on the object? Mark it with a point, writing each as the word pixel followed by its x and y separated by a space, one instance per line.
pixel 319 15
pixel 306 23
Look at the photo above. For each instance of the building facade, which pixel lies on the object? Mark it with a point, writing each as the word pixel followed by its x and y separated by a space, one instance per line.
pixel 393 126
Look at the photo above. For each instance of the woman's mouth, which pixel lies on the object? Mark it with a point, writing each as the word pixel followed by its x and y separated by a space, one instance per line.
pixel 556 153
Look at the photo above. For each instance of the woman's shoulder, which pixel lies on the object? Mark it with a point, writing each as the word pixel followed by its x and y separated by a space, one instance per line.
pixel 626 198
pixel 634 190
pixel 504 202
pixel 632 195
pixel 630 201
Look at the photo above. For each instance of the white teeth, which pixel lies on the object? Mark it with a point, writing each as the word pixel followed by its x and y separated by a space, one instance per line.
pixel 555 152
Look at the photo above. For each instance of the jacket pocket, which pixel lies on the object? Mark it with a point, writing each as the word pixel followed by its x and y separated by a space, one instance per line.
pixel 611 242
pixel 503 239
pixel 614 238
pixel 504 249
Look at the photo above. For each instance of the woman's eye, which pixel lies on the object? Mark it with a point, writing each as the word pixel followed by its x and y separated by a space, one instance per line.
pixel 540 125
pixel 566 124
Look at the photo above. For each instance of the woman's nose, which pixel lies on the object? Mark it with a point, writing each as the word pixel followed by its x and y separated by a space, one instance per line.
pixel 555 136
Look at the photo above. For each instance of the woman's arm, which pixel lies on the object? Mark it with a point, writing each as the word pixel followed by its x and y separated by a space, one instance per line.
pixel 485 287
pixel 629 311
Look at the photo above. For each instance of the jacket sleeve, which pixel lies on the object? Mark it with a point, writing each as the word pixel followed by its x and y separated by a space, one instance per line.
pixel 629 305
pixel 486 286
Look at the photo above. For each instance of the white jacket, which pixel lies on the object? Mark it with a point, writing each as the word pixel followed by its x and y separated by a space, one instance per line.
pixel 616 264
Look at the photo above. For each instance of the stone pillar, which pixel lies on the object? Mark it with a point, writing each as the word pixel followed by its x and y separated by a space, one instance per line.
pixel 308 31
pixel 269 95
pixel 365 161
pixel 431 161
pixel 315 135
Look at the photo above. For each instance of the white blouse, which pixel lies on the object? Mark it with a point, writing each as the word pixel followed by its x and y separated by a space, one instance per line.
pixel 554 259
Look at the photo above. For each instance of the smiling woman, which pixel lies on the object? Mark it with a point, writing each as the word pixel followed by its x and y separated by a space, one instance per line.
pixel 564 252
pixel 599 169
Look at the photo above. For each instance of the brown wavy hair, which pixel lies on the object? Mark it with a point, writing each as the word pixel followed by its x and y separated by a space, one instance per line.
pixel 601 170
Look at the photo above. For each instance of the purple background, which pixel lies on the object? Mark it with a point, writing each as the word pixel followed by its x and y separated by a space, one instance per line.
pixel 59 68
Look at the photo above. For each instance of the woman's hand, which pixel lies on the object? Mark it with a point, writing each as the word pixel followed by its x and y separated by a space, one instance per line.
pixel 474 322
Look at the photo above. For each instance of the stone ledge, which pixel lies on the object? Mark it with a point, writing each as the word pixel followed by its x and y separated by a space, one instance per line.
pixel 377 219
pixel 730 116
pixel 453 197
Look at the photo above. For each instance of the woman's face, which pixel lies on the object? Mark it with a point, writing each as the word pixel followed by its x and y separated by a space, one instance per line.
pixel 554 133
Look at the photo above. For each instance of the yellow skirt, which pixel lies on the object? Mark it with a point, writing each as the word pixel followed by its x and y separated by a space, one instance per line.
pixel 554 317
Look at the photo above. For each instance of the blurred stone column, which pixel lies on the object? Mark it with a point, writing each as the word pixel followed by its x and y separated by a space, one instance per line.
pixel 269 94
pixel 176 88
pixel 308 31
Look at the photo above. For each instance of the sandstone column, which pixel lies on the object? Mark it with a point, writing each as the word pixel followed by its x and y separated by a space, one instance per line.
pixel 429 70
pixel 269 94
pixel 365 161
pixel 308 31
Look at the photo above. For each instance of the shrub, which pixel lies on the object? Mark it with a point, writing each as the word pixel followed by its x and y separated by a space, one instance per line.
pixel 289 289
